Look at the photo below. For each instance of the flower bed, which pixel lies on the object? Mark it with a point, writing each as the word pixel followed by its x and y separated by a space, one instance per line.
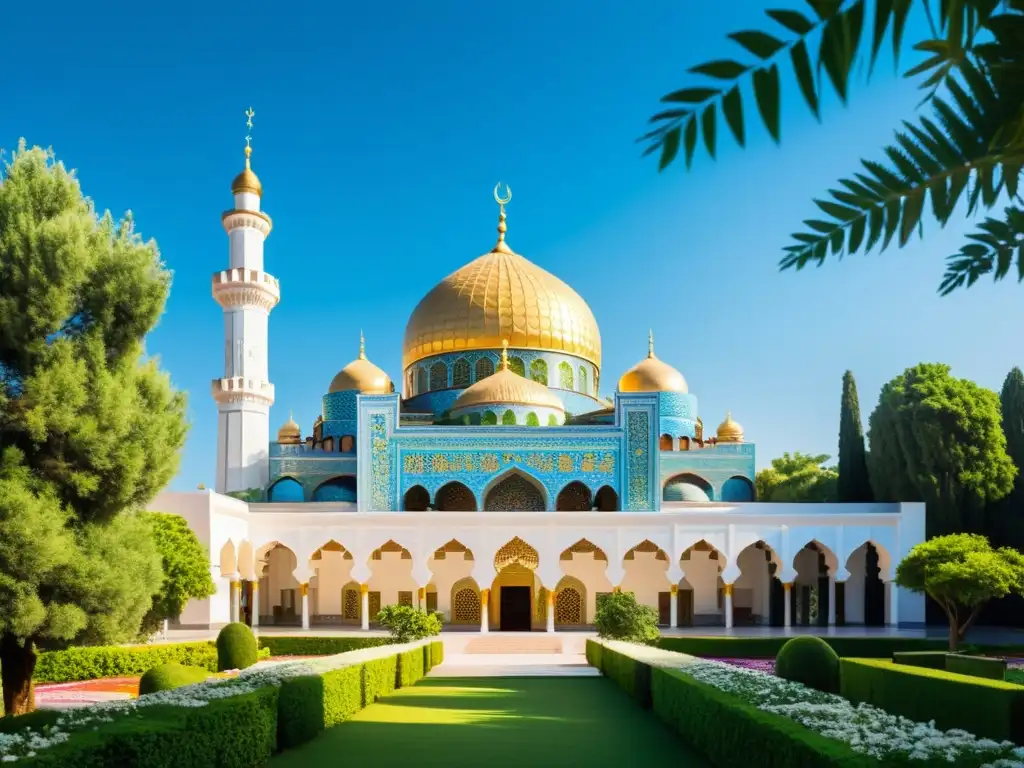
pixel 871 647
pixel 75 737
pixel 865 729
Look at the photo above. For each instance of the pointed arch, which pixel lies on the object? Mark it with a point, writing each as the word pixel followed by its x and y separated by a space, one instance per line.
pixel 565 378
pixel 516 552
pixel 460 373
pixel 515 491
pixel 438 376
pixel 454 497
pixel 421 381
pixel 570 602
pixel 286 490
pixel 484 368
pixel 341 488
pixel 738 489
pixel 574 497
pixel 582 381
pixel 606 500
pixel 539 371
pixel 416 499
pixel 465 602
pixel 687 487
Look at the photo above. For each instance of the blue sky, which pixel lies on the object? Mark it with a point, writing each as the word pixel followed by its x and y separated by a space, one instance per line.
pixel 380 130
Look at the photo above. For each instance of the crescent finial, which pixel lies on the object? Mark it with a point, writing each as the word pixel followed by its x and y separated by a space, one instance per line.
pixel 498 198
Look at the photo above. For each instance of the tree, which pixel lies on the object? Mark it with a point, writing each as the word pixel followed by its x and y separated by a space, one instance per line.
pixel 620 617
pixel 797 478
pixel 961 572
pixel 963 153
pixel 406 623
pixel 854 483
pixel 1008 524
pixel 938 439
pixel 186 570
pixel 90 430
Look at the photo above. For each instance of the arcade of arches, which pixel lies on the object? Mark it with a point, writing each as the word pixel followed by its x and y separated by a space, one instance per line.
pixel 514 492
pixel 523 596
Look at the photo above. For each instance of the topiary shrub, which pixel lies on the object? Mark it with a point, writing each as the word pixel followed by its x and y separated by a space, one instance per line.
pixel 620 617
pixel 406 623
pixel 810 661
pixel 166 677
pixel 236 647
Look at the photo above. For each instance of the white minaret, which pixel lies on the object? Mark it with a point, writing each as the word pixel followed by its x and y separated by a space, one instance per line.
pixel 247 294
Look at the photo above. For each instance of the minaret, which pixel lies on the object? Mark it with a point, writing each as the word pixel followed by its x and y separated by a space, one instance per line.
pixel 247 294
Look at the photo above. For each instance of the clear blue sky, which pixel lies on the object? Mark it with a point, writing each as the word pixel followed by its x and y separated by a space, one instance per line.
pixel 381 129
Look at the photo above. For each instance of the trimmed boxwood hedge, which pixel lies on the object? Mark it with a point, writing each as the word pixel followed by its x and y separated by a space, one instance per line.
pixel 987 708
pixel 768 647
pixel 727 731
pixel 286 645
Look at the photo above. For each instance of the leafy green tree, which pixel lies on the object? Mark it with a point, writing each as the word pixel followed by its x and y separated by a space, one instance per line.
pixel 186 569
pixel 964 152
pixel 620 617
pixel 90 429
pixel 406 623
pixel 799 477
pixel 854 483
pixel 938 439
pixel 961 572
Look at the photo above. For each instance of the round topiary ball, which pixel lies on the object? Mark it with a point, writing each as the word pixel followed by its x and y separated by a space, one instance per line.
pixel 811 661
pixel 236 647
pixel 169 676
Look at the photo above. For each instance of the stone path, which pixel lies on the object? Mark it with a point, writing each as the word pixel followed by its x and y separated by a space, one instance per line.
pixel 514 665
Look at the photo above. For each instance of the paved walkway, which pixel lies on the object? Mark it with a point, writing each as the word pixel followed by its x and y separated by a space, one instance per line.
pixel 500 723
pixel 514 665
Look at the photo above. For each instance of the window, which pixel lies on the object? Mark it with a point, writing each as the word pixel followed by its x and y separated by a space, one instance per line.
pixel 438 376
pixel 583 381
pixel 484 368
pixel 516 365
pixel 405 598
pixel 539 371
pixel 421 380
pixel 565 376
pixel 460 373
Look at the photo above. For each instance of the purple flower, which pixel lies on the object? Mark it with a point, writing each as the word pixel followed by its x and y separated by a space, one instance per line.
pixel 758 665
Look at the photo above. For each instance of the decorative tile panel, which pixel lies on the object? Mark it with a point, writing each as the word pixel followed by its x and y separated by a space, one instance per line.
pixel 380 464
pixel 638 438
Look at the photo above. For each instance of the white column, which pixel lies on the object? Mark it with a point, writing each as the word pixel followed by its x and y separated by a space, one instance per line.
pixel 364 608
pixel 673 606
pixel 236 598
pixel 551 611
pixel 831 600
pixel 894 615
pixel 305 606
pixel 727 590
pixel 787 588
pixel 255 604
pixel 485 597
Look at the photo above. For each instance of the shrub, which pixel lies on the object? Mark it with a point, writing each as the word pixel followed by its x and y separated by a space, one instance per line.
pixel 74 664
pixel 236 647
pixel 285 645
pixel 621 617
pixel 407 623
pixel 976 666
pixel 929 659
pixel 168 676
pixel 811 661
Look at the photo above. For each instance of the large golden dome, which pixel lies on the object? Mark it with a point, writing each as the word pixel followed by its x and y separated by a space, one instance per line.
pixel 362 375
pixel 506 387
pixel 652 375
pixel 501 295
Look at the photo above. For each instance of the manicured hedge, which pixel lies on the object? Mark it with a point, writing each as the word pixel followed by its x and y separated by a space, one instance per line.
pixel 976 666
pixel 768 647
pixel 285 645
pixel 987 708
pixel 727 731
pixel 928 659
pixel 76 664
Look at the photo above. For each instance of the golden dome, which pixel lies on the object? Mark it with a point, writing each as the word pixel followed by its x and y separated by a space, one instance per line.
pixel 290 433
pixel 652 375
pixel 362 375
pixel 247 181
pixel 501 295
pixel 730 431
pixel 506 387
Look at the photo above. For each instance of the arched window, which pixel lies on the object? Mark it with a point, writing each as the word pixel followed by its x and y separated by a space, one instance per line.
pixel 484 368
pixel 348 444
pixel 489 418
pixel 532 420
pixel 665 443
pixel 417 499
pixel 565 376
pixel 421 380
pixel 336 489
pixel 410 379
pixel 583 381
pixel 552 420
pixel 286 489
pixel 438 376
pixel 508 418
pixel 460 373
pixel 539 371
pixel 516 365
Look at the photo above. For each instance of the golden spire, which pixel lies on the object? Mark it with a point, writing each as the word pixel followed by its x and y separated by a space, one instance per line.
pixel 249 115
pixel 247 181
pixel 502 227
pixel 504 355
pixel 650 343
pixel 362 345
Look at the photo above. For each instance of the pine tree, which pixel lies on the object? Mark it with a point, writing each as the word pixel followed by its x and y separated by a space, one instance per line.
pixel 854 483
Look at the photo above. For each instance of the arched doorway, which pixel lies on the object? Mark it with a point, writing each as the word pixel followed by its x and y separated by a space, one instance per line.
pixel 515 493
pixel 454 497
pixel 417 499
pixel 285 490
pixel 607 500
pixel 687 487
pixel 737 489
pixel 465 603
pixel 575 497
pixel 336 489
pixel 570 602
pixel 515 564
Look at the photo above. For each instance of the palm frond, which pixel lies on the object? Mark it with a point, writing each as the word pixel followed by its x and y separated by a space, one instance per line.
pixel 994 249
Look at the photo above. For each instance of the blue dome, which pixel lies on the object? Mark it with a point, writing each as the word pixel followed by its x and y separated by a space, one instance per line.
pixel 684 490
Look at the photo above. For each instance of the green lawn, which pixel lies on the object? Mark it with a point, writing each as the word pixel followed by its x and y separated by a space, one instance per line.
pixel 544 721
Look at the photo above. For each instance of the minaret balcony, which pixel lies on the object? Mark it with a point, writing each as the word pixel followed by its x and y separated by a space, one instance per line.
pixel 240 218
pixel 240 287
pixel 239 389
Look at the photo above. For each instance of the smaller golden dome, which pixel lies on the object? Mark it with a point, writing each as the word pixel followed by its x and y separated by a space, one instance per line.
pixel 652 375
pixel 247 181
pixel 290 433
pixel 506 387
pixel 730 431
pixel 362 375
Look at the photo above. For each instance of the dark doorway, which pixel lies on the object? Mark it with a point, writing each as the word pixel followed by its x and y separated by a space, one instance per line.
pixel 515 609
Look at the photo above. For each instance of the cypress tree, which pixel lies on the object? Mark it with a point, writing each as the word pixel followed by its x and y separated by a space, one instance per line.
pixel 1008 528
pixel 854 484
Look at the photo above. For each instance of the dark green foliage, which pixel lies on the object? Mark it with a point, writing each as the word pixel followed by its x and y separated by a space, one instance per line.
pixel 811 661
pixel 1006 516
pixel 768 647
pixel 987 708
pixel 73 664
pixel 380 677
pixel 938 439
pixel 796 479
pixel 976 666
pixel 968 147
pixel 309 705
pixel 406 623
pixel 508 418
pixel 489 418
pixel 300 645
pixel 853 484
pixel 927 659
pixel 186 569
pixel 621 617
pixel 166 677
pixel 236 647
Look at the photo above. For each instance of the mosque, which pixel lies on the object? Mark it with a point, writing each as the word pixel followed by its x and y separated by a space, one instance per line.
pixel 496 485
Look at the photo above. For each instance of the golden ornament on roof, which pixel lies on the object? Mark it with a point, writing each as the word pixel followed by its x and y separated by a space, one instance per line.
pixel 290 433
pixel 247 181
pixel 652 375
pixel 506 387
pixel 361 375
pixel 501 295
pixel 730 431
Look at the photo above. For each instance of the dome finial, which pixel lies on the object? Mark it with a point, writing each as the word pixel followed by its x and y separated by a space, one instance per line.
pixel 362 345
pixel 247 181
pixel 249 115
pixel 501 200
pixel 650 343
pixel 504 355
